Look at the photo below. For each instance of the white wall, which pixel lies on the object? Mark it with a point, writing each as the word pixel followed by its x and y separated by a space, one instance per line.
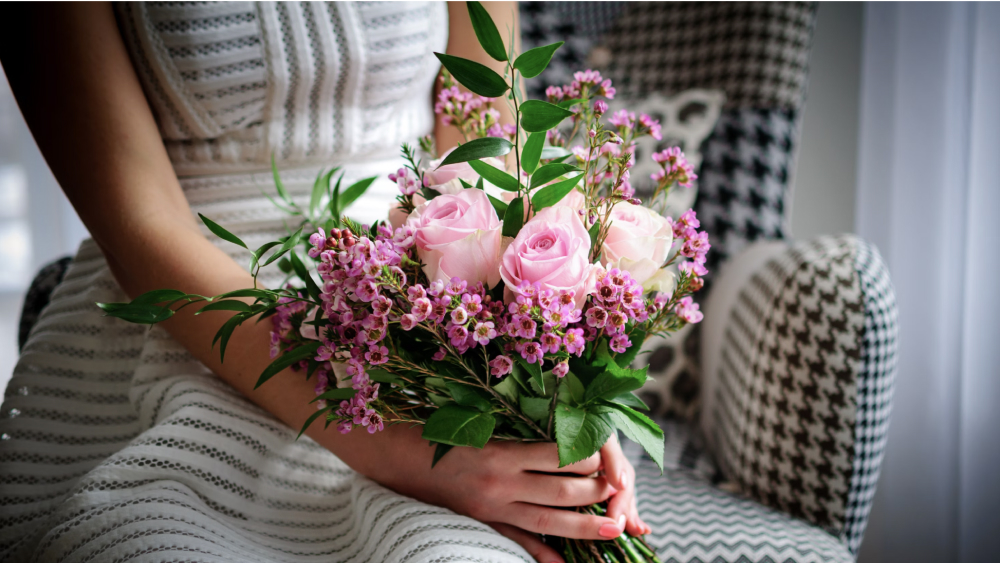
pixel 823 186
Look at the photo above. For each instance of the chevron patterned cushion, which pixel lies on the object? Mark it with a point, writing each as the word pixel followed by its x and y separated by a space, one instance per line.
pixel 694 521
pixel 799 399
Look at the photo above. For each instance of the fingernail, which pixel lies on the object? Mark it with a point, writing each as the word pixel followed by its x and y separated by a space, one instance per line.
pixel 623 478
pixel 610 531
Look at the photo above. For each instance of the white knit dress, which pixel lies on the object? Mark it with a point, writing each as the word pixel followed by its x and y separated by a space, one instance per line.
pixel 116 444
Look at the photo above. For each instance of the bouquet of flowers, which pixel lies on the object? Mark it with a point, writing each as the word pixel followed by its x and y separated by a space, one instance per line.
pixel 514 316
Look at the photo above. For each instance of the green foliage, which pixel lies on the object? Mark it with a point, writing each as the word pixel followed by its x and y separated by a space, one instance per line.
pixel 320 186
pixel 532 62
pixel 631 400
pixel 640 429
pixel 615 381
pixel 626 358
pixel 477 149
pixel 476 77
pixel 550 172
pixel 312 419
pixel 159 296
pixel 468 396
pixel 532 152
pixel 553 194
pixel 439 451
pixel 486 31
pixel 537 115
pixel 340 394
pixel 237 306
pixel 303 273
pixel 535 408
pixel 514 218
pixel 139 314
pixel 550 153
pixel 533 370
pixel 303 352
pixel 495 176
pixel 499 206
pixel 579 432
pixel 458 425
pixel 221 232
pixel 354 191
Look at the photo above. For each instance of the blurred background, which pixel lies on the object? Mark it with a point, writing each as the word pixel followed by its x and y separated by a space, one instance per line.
pixel 900 143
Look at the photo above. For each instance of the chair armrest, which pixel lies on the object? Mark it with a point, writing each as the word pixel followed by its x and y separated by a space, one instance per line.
pixel 799 355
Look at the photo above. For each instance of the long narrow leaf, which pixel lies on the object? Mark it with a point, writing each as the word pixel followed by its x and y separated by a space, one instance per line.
pixel 513 219
pixel 305 276
pixel 289 244
pixel 278 184
pixel 286 360
pixel 532 62
pixel 550 172
pixel 553 193
pixel 228 305
pixel 486 31
pixel 479 78
pixel 532 152
pixel 354 191
pixel 478 148
pixel 498 178
pixel 312 419
pixel 221 232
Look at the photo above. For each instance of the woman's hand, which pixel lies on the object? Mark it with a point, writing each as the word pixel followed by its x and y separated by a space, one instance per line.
pixel 514 487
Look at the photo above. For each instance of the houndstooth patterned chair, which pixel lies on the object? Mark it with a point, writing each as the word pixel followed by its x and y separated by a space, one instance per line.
pixel 776 406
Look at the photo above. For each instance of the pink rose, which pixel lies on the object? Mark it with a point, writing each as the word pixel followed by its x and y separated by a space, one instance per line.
pixel 552 250
pixel 638 241
pixel 574 200
pixel 458 235
pixel 445 179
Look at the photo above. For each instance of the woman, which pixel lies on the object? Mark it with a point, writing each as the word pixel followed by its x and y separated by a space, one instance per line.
pixel 126 443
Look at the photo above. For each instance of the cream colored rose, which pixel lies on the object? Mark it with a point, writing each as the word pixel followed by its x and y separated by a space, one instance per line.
pixel 638 241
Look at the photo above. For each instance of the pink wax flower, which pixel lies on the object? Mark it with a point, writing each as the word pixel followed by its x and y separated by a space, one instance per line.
pixel 501 366
pixel 639 241
pixel 439 355
pixel 560 369
pixel 458 236
pixel 552 250
pixel 623 119
pixel 406 181
pixel 687 309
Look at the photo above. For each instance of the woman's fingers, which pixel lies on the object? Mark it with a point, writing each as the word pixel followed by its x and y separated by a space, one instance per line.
pixel 558 490
pixel 564 523
pixel 616 468
pixel 530 542
pixel 541 456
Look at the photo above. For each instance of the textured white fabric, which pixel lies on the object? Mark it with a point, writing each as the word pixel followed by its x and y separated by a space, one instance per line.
pixel 115 444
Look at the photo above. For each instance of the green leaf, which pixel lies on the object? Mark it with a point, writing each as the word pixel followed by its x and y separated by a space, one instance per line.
pixel 248 292
pixel 354 191
pixel 614 382
pixel 287 359
pixel 548 153
pixel 224 332
pixel 321 185
pixel 547 387
pixel 532 62
pixel 222 233
pixel 486 31
pixel 566 104
pixel 476 77
pixel 631 400
pixel 303 273
pixel 477 149
pixel 535 408
pixel 553 193
pixel 532 151
pixel 507 388
pixel 278 184
pixel 640 429
pixel 256 254
pixel 457 425
pixel 626 358
pixel 158 296
pixel 335 200
pixel 465 184
pixel 534 370
pixel 139 314
pixel 595 230
pixel 479 184
pixel 468 396
pixel 497 177
pixel 579 433
pixel 537 115
pixel 550 172
pixel 575 387
pixel 381 376
pixel 439 452
pixel 237 306
pixel 513 220
pixel 312 419
pixel 499 206
pixel 289 244
pixel 342 394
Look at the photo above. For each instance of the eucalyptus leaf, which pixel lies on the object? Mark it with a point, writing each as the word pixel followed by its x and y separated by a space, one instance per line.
pixel 477 149
pixel 537 115
pixel 479 78
pixel 221 232
pixel 554 193
pixel 579 433
pixel 486 31
pixel 457 425
pixel 532 152
pixel 303 352
pixel 497 177
pixel 532 62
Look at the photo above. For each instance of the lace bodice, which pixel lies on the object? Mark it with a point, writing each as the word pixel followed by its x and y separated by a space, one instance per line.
pixel 232 83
